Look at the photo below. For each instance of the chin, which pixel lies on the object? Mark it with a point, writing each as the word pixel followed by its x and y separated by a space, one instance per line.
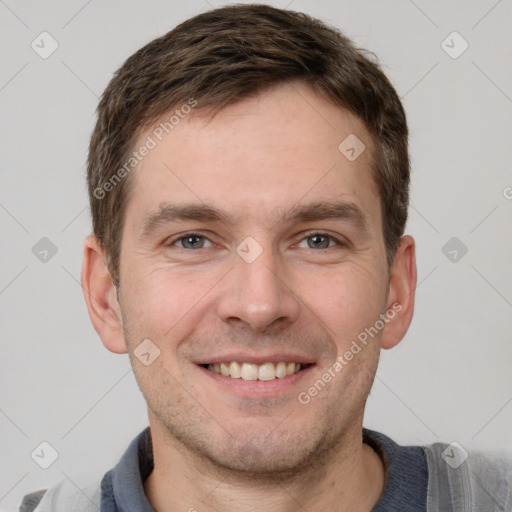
pixel 268 456
pixel 251 462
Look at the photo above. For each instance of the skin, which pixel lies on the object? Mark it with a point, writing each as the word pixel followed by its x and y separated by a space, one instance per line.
pixel 234 448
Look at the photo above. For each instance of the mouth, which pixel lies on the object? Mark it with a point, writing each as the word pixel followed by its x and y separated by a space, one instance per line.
pixel 267 371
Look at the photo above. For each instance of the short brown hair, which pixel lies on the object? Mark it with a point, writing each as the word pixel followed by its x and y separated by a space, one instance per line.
pixel 223 56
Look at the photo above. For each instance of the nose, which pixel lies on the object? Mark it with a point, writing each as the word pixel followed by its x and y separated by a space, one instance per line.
pixel 258 294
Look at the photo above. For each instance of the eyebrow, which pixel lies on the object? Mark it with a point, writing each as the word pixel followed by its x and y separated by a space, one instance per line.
pixel 320 210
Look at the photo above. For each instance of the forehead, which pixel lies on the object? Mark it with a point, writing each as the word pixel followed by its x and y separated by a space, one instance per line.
pixel 256 156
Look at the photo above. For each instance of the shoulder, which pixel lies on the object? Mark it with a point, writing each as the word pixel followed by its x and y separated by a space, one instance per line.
pixel 64 497
pixel 30 501
pixel 474 479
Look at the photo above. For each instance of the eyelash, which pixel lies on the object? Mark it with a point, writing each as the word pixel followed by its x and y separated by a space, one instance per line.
pixel 307 235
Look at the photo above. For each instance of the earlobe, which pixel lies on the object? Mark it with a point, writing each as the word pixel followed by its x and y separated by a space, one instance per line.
pixel 101 298
pixel 401 293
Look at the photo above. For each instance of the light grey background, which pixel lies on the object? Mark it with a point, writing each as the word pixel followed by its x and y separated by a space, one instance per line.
pixel 449 380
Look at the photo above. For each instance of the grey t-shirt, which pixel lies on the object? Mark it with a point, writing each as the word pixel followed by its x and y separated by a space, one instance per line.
pixel 406 483
pixel 405 486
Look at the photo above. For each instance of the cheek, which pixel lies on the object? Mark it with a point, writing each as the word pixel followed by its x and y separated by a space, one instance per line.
pixel 349 301
pixel 163 303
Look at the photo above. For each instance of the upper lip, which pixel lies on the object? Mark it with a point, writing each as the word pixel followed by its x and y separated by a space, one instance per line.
pixel 259 359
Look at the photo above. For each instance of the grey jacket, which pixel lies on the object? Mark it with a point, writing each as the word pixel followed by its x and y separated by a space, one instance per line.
pixel 433 478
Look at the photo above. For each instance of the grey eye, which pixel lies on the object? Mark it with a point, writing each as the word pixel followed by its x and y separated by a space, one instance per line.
pixel 319 241
pixel 192 241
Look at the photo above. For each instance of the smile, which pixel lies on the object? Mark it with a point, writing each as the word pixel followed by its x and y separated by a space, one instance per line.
pixel 249 371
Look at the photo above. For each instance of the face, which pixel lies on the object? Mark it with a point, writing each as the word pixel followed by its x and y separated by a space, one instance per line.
pixel 252 245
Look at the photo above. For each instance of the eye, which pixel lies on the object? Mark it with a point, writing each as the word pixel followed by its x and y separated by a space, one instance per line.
pixel 320 241
pixel 191 241
pixel 197 241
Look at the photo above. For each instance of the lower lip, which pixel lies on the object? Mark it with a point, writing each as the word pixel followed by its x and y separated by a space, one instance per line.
pixel 257 388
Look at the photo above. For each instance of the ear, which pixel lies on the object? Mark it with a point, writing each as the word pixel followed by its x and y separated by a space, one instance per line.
pixel 402 288
pixel 100 296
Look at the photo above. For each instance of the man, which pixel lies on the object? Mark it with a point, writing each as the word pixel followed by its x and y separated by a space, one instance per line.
pixel 248 178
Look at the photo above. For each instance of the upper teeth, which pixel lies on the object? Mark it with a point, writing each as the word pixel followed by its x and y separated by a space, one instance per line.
pixel 249 371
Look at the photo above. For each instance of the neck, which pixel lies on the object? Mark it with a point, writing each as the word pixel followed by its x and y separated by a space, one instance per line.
pixel 351 478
